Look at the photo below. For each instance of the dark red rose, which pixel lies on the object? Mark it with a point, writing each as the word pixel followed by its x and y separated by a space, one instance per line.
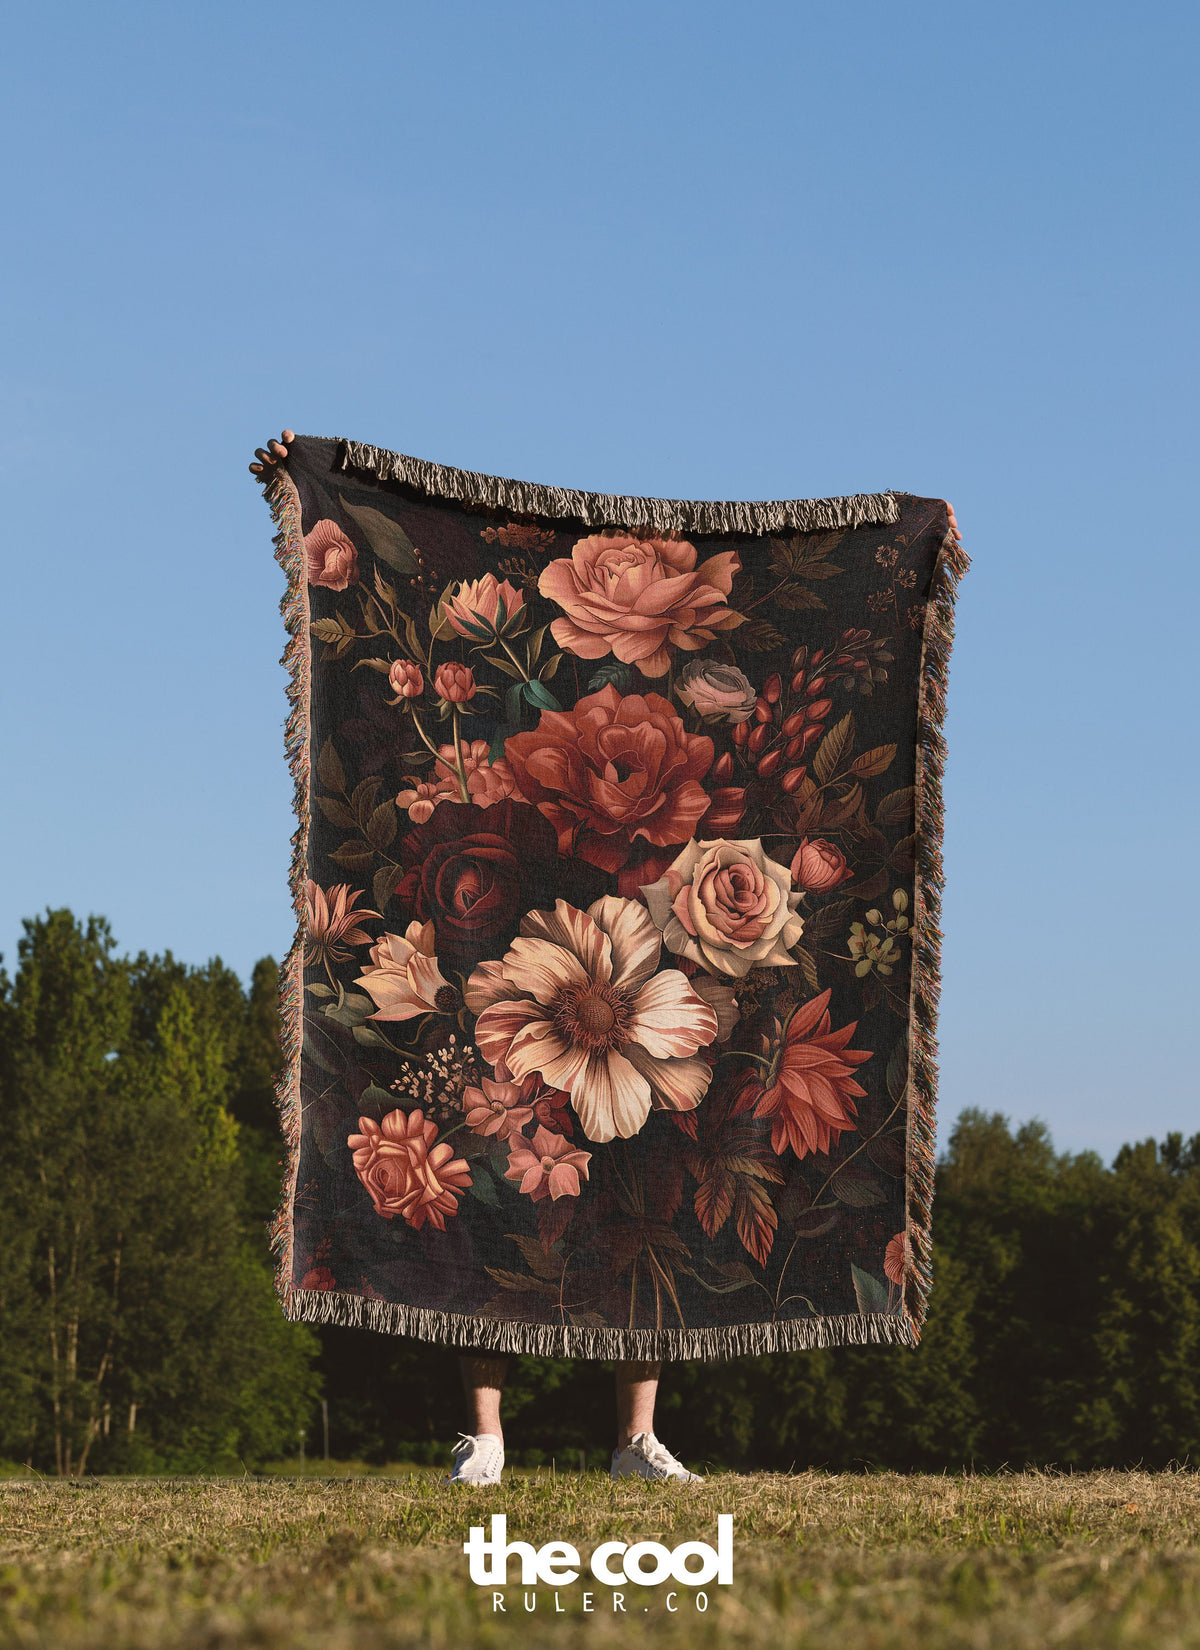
pixel 474 872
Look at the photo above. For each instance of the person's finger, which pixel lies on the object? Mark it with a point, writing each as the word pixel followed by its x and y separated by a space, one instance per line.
pixel 256 469
pixel 267 457
pixel 289 436
pixel 278 448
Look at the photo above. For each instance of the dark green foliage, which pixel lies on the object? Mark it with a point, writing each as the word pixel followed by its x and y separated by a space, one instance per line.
pixel 141 1326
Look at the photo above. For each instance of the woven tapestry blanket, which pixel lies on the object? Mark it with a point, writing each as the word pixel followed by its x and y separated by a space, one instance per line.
pixel 610 1017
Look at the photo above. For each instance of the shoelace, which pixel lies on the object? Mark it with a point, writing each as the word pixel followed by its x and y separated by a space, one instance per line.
pixel 658 1455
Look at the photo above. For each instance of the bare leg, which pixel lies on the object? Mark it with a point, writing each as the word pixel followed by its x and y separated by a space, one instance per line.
pixel 637 1388
pixel 482 1380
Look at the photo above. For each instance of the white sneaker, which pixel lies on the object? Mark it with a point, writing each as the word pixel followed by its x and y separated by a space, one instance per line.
pixel 644 1457
pixel 477 1460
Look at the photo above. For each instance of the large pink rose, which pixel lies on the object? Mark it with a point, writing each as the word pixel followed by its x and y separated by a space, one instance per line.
pixel 727 906
pixel 818 867
pixel 332 559
pixel 405 1172
pixel 639 598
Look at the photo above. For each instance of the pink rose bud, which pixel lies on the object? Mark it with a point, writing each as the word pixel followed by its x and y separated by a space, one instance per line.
pixel 741 733
pixel 819 867
pixel 798 681
pixel 815 686
pixel 482 604
pixel 768 764
pixel 762 710
pixel 792 780
pixel 759 737
pixel 772 688
pixel 454 682
pixel 723 766
pixel 795 746
pixel 793 724
pixel 819 709
pixel 810 735
pixel 406 679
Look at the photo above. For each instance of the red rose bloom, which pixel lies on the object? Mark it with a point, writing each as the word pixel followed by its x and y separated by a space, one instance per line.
pixel 474 872
pixel 614 770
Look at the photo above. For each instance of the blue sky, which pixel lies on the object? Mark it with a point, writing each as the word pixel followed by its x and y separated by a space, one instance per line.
pixel 696 250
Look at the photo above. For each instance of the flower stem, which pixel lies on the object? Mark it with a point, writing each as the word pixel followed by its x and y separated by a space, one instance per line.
pixel 425 739
pixel 525 677
pixel 460 766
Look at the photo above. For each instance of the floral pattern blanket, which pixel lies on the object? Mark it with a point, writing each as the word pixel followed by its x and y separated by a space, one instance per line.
pixel 609 1022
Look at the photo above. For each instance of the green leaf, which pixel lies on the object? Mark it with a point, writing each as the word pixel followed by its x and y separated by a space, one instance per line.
pixel 382 886
pixel 873 762
pixel 889 1152
pixel 329 768
pixel 831 748
pixel 373 1095
pixel 483 1186
pixel 351 1011
pixel 369 1037
pixel 381 827
pixel 337 813
pixel 386 537
pixel 808 968
pixel 550 668
pixel 896 808
pixel 535 644
pixel 611 673
pixel 355 855
pixel 540 696
pixel 362 799
pixel 507 666
pixel 872 1296
pixel 897 1071
pixel 326 630
pixel 319 990
pixel 856 1187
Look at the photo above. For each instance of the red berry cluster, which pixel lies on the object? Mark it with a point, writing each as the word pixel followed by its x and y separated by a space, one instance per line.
pixel 785 726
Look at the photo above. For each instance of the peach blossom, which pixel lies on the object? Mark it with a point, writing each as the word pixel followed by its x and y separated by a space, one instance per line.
pixel 639 598
pixel 454 682
pixel 331 922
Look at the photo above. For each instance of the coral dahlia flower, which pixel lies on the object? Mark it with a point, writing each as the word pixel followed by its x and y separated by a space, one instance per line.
pixel 501 1109
pixel 404 977
pixel 406 1173
pixel 546 1166
pixel 808 1089
pixel 576 999
pixel 896 1259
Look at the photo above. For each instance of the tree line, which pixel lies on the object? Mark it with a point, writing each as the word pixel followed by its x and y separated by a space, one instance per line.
pixel 140 1162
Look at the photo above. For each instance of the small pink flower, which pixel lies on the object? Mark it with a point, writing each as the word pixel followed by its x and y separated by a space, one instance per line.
pixel 547 1166
pixel 419 799
pixel 454 682
pixel 332 559
pixel 406 679
pixel 475 608
pixel 818 867
pixel 897 1258
pixel 499 1108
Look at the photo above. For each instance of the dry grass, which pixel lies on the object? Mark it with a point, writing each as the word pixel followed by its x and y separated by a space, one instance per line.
pixel 829 1562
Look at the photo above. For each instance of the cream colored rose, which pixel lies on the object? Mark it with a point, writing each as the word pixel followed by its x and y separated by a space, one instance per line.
pixel 727 906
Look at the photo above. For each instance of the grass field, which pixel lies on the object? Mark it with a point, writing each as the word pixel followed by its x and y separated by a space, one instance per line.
pixel 825 1561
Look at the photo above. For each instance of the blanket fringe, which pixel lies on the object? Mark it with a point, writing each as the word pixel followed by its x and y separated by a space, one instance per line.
pixel 937 640
pixel 569 1341
pixel 284 501
pixel 664 515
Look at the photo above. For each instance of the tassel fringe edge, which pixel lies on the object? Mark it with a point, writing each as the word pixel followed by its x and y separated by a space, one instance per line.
pixel 937 640
pixel 664 515
pixel 472 1332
